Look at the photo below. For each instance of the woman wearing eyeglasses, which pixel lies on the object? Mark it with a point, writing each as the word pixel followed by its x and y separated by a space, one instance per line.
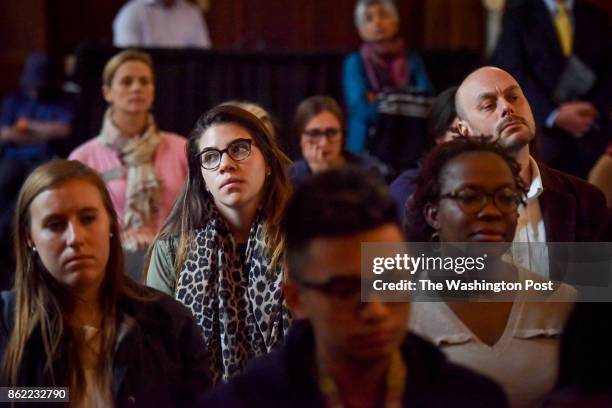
pixel 318 123
pixel 469 191
pixel 221 250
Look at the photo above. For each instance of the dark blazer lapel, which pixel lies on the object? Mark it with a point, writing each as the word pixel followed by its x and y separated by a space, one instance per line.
pixel 545 27
pixel 582 26
pixel 558 209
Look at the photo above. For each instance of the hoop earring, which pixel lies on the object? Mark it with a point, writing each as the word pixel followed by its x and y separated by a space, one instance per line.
pixel 435 245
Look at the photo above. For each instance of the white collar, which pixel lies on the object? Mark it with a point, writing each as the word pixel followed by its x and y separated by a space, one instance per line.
pixel 551 5
pixel 535 188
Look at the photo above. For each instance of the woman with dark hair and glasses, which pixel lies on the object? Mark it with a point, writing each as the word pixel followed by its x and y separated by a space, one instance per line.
pixel 221 251
pixel 319 125
pixel 469 191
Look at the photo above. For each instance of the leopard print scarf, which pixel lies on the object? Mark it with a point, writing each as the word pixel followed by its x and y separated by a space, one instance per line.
pixel 239 308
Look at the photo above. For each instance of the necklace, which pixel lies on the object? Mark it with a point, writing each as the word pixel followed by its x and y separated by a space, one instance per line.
pixel 396 383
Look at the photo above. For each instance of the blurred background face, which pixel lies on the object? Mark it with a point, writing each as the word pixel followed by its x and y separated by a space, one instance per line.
pixel 494 104
pixel 70 229
pixel 234 184
pixel 344 327
pixel 468 175
pixel 321 140
pixel 378 24
pixel 132 89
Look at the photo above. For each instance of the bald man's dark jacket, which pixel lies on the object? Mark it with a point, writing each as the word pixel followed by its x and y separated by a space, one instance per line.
pixel 572 209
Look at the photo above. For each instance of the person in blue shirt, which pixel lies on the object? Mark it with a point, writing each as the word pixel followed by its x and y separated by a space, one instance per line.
pixel 319 125
pixel 382 63
pixel 35 115
pixel 29 121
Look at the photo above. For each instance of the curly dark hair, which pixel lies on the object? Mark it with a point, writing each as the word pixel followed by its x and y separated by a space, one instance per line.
pixel 427 182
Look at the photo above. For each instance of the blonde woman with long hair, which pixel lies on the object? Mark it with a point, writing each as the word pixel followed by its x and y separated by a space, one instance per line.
pixel 74 319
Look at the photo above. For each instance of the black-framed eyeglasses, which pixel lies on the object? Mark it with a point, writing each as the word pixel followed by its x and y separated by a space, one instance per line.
pixel 343 293
pixel 238 150
pixel 330 133
pixel 339 287
pixel 473 200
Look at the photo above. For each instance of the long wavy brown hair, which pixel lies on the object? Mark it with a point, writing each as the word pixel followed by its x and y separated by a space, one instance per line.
pixel 188 213
pixel 42 305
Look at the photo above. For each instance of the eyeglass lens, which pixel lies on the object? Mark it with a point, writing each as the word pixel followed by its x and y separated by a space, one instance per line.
pixel 238 150
pixel 328 132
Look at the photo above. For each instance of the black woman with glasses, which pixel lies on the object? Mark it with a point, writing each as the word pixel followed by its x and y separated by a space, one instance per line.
pixel 319 125
pixel 469 191
pixel 221 250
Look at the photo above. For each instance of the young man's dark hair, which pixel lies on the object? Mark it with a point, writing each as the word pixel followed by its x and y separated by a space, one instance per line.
pixel 337 202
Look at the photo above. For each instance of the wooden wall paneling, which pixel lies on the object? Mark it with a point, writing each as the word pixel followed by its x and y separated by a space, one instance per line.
pixel 332 25
pixel 298 24
pixel 311 25
pixel 23 29
pixel 225 21
pixel 454 24
pixel 413 22
pixel 605 4
pixel 72 22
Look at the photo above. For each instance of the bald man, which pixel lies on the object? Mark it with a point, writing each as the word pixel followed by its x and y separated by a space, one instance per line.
pixel 560 207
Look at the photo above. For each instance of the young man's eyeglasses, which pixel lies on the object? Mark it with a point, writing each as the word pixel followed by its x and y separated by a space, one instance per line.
pixel 330 133
pixel 238 150
pixel 473 200
pixel 343 292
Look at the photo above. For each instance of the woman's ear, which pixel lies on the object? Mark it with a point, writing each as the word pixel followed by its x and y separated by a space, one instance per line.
pixel 30 243
pixel 293 298
pixel 430 212
pixel 107 94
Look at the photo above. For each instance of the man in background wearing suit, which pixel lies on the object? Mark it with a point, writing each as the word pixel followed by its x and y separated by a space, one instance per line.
pixel 560 51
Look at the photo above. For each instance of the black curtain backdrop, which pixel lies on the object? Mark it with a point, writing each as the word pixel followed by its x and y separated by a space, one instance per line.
pixel 189 82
